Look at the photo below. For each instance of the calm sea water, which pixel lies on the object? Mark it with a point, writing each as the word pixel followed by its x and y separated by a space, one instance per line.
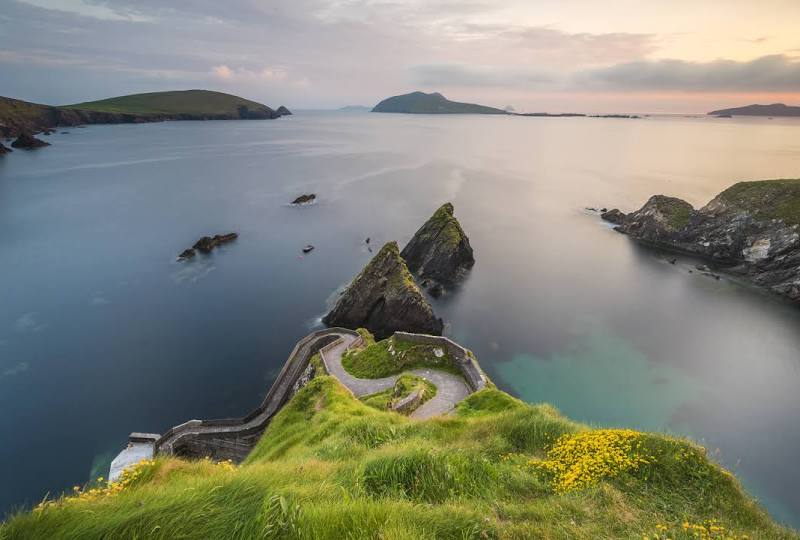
pixel 103 333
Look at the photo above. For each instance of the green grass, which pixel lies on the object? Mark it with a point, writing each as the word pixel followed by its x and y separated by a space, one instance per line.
pixel 190 102
pixel 390 357
pixel 767 199
pixel 405 385
pixel 331 467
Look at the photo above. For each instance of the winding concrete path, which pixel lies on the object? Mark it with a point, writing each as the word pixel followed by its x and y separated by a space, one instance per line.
pixel 450 388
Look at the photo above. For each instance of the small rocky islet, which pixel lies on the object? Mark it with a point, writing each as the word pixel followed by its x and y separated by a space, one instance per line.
pixel 751 229
pixel 383 298
pixel 26 141
pixel 206 244
pixel 305 199
pixel 439 253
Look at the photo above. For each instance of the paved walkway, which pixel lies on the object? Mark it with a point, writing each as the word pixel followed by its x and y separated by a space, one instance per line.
pixel 450 388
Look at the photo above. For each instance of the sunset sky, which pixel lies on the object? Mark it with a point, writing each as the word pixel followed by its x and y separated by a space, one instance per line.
pixel 547 55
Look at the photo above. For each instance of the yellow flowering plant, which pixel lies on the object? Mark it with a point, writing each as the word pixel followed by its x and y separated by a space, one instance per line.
pixel 580 460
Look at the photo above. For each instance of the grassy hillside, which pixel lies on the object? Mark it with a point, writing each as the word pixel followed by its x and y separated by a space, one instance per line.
pixel 766 199
pixel 332 467
pixel 190 102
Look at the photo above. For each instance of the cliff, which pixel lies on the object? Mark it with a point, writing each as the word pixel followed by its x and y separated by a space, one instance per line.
pixel 434 103
pixel 751 229
pixel 439 251
pixel 18 116
pixel 383 298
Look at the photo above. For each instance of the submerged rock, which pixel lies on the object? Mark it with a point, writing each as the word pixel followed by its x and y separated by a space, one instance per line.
pixel 751 228
pixel 439 251
pixel 383 298
pixel 28 141
pixel 305 199
pixel 308 248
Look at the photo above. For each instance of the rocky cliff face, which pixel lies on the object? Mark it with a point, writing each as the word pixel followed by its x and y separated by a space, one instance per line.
pixel 439 251
pixel 752 228
pixel 383 298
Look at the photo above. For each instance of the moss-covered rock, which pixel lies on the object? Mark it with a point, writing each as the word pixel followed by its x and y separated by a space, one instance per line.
pixel 383 298
pixel 440 251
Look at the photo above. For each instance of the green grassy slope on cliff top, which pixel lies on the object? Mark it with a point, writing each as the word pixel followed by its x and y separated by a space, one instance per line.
pixel 192 102
pixel 766 199
pixel 330 467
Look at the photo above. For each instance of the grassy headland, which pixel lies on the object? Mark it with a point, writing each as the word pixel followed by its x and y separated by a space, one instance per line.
pixel 331 467
pixel 189 102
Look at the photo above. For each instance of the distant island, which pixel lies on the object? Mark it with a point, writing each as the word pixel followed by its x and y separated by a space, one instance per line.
pixel 355 108
pixel 434 103
pixel 17 116
pixel 776 109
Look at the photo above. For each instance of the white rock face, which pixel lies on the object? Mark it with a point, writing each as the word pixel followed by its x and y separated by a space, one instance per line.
pixel 757 251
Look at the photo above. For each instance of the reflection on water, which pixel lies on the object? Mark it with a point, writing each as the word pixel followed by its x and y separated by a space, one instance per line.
pixel 99 323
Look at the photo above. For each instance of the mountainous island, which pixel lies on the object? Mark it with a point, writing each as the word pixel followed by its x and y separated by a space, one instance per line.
pixel 433 103
pixel 776 109
pixel 751 229
pixel 18 116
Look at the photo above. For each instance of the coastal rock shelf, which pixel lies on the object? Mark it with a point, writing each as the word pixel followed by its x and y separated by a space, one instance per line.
pixel 751 229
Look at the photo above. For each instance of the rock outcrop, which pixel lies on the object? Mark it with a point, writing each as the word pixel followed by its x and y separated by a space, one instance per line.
pixel 614 216
pixel 751 229
pixel 207 243
pixel 283 111
pixel 4 150
pixel 383 298
pixel 27 141
pixel 439 252
pixel 305 199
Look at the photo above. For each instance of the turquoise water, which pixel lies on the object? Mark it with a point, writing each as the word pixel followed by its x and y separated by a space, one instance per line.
pixel 102 332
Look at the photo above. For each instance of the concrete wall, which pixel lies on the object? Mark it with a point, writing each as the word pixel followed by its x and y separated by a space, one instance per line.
pixel 473 374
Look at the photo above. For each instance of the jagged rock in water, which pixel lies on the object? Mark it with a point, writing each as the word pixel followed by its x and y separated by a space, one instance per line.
pixel 4 149
pixel 383 298
pixel 751 228
pixel 305 199
pixel 283 111
pixel 613 216
pixel 186 254
pixel 440 250
pixel 207 243
pixel 28 141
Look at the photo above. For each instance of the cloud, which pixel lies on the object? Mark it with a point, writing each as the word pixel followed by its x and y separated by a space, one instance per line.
pixel 444 75
pixel 774 73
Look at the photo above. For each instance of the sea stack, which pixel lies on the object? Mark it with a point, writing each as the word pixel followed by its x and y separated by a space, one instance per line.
pixel 283 111
pixel 383 298
pixel 439 252
pixel 28 141
pixel 751 229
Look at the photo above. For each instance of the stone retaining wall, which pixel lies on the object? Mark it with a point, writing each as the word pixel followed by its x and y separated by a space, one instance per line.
pixel 233 438
pixel 463 358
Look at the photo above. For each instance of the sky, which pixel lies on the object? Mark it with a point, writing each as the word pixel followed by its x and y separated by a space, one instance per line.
pixel 536 55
